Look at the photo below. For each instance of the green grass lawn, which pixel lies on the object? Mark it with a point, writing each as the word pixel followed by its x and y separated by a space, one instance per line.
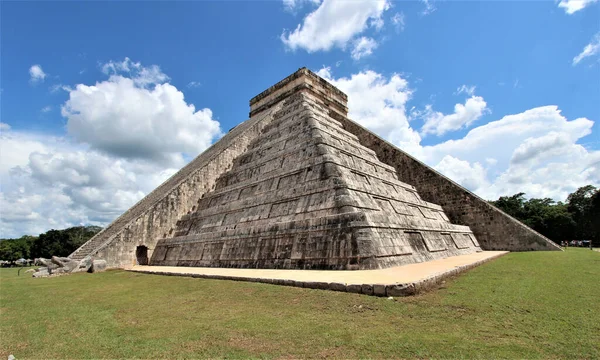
pixel 523 305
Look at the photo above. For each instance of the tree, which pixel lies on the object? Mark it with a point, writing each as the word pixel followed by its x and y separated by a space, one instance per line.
pixel 578 219
pixel 14 249
pixel 512 205
pixel 62 242
pixel 581 206
pixel 594 216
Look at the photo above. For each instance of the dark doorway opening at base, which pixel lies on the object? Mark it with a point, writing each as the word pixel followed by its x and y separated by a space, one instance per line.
pixel 141 255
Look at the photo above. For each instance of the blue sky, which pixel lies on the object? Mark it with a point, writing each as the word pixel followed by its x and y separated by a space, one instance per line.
pixel 96 97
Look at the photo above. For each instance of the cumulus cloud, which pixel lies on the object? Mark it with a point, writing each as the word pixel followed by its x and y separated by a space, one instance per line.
pixel 534 148
pixel 378 103
pixel 472 176
pixel 124 117
pixel 535 151
pixel 95 173
pixel 51 182
pixel 363 46
pixel 464 115
pixel 335 24
pixel 36 74
pixel 590 49
pixel 141 75
pixel 572 6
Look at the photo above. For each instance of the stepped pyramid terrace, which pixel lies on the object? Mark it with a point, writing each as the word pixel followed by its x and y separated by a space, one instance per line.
pixel 299 185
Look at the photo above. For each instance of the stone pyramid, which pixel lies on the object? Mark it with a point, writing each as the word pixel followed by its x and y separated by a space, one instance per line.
pixel 300 186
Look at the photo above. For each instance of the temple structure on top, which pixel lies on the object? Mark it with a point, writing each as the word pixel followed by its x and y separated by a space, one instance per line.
pixel 301 186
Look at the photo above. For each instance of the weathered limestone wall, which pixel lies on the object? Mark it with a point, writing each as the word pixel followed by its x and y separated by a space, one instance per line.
pixel 155 215
pixel 494 229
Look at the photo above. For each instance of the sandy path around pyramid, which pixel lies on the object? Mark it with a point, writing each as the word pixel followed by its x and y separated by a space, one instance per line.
pixel 416 275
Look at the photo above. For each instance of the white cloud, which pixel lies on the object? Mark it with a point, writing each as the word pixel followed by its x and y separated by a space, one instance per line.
pixel 4 126
pixel 51 182
pixel 548 145
pixel 46 109
pixel 293 5
pixel 429 7
pixel 193 84
pixel 399 21
pixel 56 87
pixel 36 74
pixel 535 151
pixel 572 6
pixel 464 115
pixel 491 161
pixel 378 103
pixel 465 89
pixel 335 24
pixel 363 46
pixel 96 173
pixel 590 49
pixel 141 75
pixel 471 176
pixel 124 117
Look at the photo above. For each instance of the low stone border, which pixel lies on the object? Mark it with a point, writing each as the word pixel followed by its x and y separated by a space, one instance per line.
pixel 406 289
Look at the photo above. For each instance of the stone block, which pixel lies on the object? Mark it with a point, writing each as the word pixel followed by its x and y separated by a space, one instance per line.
pixel 337 287
pixel 98 266
pixel 379 290
pixel 41 273
pixel 354 288
pixel 400 290
pixel 367 289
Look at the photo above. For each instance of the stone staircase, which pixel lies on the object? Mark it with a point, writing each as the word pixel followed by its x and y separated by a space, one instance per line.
pixel 97 241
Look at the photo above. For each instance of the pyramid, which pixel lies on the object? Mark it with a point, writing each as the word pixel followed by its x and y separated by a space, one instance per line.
pixel 301 186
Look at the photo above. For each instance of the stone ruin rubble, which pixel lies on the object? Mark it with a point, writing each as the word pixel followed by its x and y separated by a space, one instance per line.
pixel 64 265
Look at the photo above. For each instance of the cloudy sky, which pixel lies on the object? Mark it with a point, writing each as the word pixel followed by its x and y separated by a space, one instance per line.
pixel 102 101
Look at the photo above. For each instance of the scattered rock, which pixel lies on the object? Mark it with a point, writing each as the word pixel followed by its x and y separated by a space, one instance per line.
pixel 64 265
pixel 84 264
pixel 60 270
pixel 41 273
pixel 71 265
pixel 58 261
pixel 391 298
pixel 42 261
pixel 97 266
pixel 30 271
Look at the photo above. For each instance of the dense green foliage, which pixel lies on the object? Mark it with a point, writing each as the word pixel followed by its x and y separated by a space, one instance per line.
pixel 577 219
pixel 52 242
pixel 527 305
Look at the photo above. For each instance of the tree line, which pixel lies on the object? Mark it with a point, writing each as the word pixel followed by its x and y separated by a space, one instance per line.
pixel 50 243
pixel 576 219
